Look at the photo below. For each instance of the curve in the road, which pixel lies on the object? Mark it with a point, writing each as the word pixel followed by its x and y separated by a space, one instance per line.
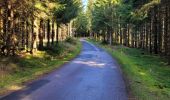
pixel 93 75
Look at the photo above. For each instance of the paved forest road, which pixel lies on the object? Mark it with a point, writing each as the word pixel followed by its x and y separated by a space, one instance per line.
pixel 93 75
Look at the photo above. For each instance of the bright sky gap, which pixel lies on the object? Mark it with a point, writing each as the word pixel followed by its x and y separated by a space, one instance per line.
pixel 85 3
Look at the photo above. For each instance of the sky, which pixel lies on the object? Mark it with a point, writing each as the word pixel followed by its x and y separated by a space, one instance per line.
pixel 85 2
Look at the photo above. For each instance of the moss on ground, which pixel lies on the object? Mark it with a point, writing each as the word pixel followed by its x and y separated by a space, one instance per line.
pixel 148 76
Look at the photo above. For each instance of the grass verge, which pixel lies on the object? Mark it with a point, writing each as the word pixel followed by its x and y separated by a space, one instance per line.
pixel 16 71
pixel 147 76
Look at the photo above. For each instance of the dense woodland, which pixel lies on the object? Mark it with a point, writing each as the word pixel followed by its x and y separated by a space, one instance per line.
pixel 137 34
pixel 34 24
pixel 134 23
pixel 31 24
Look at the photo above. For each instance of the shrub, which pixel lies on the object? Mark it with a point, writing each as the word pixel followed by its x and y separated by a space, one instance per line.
pixel 60 49
pixel 104 42
pixel 55 50
pixel 71 40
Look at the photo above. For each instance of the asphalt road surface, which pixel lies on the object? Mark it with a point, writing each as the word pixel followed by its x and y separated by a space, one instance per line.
pixel 93 75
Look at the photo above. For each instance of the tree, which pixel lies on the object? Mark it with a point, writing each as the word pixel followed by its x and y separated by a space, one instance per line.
pixel 133 23
pixel 22 21
pixel 68 10
pixel 80 24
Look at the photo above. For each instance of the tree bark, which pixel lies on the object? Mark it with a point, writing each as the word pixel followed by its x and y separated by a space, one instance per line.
pixel 41 35
pixel 53 33
pixel 48 33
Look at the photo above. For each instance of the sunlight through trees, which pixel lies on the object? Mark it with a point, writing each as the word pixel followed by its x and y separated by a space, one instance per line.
pixel 139 24
pixel 28 24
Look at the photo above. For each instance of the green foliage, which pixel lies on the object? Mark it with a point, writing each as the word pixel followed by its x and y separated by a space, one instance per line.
pixel 109 13
pixel 62 48
pixel 63 11
pixel 57 49
pixel 147 75
pixel 142 13
pixel 103 15
pixel 81 23
pixel 69 10
pixel 47 8
pixel 71 40
pixel 88 14
pixel 149 80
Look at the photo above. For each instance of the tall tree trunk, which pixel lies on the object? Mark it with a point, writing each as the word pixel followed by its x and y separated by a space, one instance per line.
pixel 33 37
pixel 5 26
pixel 111 36
pixel 168 29
pixel 48 32
pixel 146 35
pixel 155 30
pixel 41 35
pixel 23 33
pixel 121 34
pixel 57 33
pixel 125 37
pixel 53 33
pixel 159 29
pixel 27 36
pixel 10 36
pixel 128 35
pixel 150 37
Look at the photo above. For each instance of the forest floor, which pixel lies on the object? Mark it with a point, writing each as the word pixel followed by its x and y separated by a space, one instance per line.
pixel 147 76
pixel 15 72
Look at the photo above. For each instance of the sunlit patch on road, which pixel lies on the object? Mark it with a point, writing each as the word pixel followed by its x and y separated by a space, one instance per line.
pixel 91 63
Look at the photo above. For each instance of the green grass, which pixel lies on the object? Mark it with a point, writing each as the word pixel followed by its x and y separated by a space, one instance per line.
pixel 19 70
pixel 147 76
